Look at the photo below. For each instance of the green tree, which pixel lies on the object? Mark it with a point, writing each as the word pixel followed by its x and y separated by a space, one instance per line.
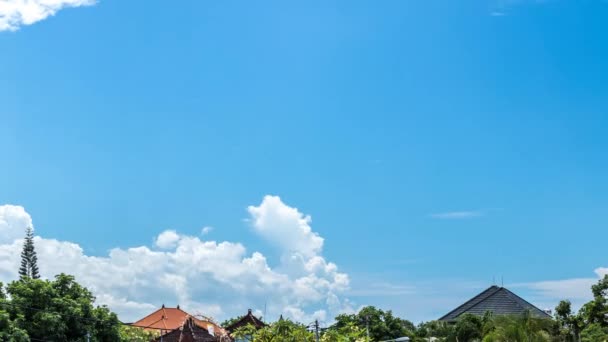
pixel 230 321
pixel 244 332
pixel 383 325
pixel 436 329
pixel 9 332
pixel 29 260
pixel 523 328
pixel 568 324
pixel 60 310
pixel 594 333
pixel 596 311
pixel 135 334
pixel 347 332
pixel 468 328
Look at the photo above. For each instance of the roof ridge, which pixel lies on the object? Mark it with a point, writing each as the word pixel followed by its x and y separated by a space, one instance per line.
pixel 490 291
pixel 164 317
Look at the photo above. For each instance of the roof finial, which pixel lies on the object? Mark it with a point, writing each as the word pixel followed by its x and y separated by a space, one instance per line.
pixel 502 282
pixel 177 306
pixel 163 305
pixel 249 311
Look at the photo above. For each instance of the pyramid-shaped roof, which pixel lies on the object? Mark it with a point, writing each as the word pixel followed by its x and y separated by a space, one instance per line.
pixel 497 300
pixel 167 319
pixel 190 331
pixel 248 319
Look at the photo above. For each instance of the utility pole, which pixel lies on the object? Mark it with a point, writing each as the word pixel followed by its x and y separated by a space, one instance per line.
pixel 317 330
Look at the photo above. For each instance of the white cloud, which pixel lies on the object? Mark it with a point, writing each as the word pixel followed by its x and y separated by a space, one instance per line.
pixel 16 13
pixel 206 230
pixel 286 227
pixel 601 271
pixel 13 221
pixel 457 215
pixel 576 290
pixel 219 279
pixel 167 239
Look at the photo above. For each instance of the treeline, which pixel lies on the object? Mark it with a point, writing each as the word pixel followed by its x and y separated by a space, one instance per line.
pixel 32 309
pixel 62 310
pixel 589 324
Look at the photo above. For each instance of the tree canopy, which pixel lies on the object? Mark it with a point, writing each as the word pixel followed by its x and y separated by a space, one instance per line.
pixel 59 310
pixel 382 325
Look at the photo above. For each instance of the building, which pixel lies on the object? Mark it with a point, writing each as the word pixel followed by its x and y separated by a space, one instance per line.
pixel 248 319
pixel 166 320
pixel 497 300
pixel 191 331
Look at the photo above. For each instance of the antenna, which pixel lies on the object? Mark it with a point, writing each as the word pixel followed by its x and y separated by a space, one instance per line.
pixel 502 282
pixel 493 280
pixel 264 318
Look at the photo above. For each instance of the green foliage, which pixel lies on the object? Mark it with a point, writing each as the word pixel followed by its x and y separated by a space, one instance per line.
pixel 568 324
pixel 435 329
pixel 59 310
pixel 591 321
pixel 519 328
pixel 348 331
pixel 468 328
pixel 596 311
pixel 134 334
pixel 383 325
pixel 288 331
pixel 29 260
pixel 594 333
pixel 244 331
pixel 230 321
pixel 9 332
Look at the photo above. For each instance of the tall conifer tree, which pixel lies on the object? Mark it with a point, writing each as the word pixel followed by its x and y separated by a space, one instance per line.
pixel 29 260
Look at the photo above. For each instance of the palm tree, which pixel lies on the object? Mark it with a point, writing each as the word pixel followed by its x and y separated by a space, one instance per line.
pixel 524 328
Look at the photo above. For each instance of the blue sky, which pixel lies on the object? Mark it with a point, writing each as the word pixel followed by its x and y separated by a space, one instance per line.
pixel 435 144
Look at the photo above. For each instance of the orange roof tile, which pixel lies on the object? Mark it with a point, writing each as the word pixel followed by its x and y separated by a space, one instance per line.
pixel 171 319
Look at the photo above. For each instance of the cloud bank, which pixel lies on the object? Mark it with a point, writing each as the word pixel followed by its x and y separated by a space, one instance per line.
pixel 17 13
pixel 218 279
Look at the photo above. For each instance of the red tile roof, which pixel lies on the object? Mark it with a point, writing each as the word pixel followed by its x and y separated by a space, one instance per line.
pixel 173 318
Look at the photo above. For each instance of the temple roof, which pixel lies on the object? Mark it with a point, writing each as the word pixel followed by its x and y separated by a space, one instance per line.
pixel 189 331
pixel 248 319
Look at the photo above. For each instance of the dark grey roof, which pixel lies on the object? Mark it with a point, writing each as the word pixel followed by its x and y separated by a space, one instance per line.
pixel 497 300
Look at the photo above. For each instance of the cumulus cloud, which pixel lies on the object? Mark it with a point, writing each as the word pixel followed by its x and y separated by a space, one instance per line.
pixel 218 279
pixel 16 13
pixel 13 220
pixel 206 230
pixel 167 239
pixel 286 227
